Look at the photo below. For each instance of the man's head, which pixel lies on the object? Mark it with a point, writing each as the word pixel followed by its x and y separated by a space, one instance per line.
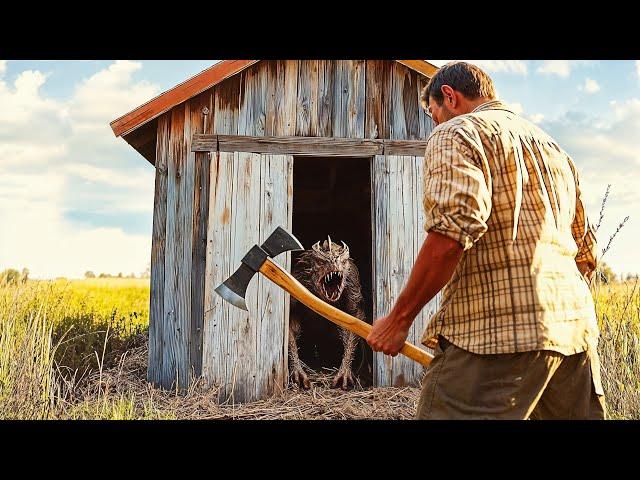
pixel 456 88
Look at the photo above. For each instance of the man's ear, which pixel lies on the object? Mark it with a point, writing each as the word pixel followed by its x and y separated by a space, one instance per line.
pixel 449 95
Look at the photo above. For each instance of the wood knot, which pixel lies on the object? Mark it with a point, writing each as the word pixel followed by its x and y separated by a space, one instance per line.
pixel 205 111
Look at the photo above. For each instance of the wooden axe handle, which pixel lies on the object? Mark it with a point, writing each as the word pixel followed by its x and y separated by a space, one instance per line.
pixel 284 279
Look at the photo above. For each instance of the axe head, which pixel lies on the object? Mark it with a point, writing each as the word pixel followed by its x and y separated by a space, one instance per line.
pixel 234 288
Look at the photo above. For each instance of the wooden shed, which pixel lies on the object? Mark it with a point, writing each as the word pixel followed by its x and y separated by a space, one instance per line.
pixel 317 146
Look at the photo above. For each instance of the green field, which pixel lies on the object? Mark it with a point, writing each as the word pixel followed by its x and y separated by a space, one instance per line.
pixel 63 346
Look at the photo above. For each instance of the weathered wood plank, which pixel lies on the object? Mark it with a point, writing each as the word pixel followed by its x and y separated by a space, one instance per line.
pixel 218 269
pixel 177 294
pixel 287 145
pixel 287 265
pixel 199 108
pixel 339 98
pixel 425 121
pixel 401 244
pixel 405 147
pixel 411 106
pixel 376 111
pixel 430 308
pixel 226 104
pixel 307 145
pixel 252 115
pixel 399 232
pixel 355 99
pixel 286 120
pixel 307 98
pixel 381 264
pixel 398 128
pixel 425 68
pixel 273 100
pixel 158 237
pixel 271 314
pixel 325 98
pixel 242 329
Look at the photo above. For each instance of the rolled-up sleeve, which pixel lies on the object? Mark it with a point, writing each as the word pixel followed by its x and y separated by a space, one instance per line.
pixel 457 199
pixel 582 229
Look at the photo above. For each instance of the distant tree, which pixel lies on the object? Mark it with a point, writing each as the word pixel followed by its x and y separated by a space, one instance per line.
pixel 89 274
pixel 605 273
pixel 120 275
pixel 24 276
pixel 10 276
pixel 103 275
pixel 147 272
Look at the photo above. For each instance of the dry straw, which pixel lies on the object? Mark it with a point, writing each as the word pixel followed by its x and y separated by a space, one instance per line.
pixel 128 381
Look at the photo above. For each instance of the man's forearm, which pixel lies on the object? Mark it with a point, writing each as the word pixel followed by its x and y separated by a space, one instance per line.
pixel 434 266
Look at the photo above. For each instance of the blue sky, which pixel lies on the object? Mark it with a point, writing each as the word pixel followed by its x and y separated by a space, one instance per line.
pixel 75 198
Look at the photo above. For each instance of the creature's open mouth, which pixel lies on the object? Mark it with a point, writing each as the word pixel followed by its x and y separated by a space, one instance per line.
pixel 331 284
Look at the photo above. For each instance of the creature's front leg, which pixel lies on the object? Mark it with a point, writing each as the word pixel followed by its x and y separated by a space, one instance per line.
pixel 344 377
pixel 297 373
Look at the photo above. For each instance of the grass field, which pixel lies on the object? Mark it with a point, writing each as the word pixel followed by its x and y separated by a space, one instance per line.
pixel 77 349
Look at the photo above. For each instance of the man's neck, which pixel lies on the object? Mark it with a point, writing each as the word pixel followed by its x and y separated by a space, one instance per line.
pixel 475 103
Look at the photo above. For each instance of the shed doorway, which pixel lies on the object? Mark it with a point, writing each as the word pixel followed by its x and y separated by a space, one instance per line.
pixel 332 196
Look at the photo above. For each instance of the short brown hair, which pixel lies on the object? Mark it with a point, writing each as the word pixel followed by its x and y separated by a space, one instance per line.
pixel 464 77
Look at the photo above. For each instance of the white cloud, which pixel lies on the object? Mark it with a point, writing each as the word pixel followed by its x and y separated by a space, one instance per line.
pixel 536 117
pixel 3 67
pixel 135 179
pixel 107 95
pixel 22 104
pixel 41 240
pixel 590 86
pixel 606 152
pixel 54 152
pixel 517 67
pixel 555 67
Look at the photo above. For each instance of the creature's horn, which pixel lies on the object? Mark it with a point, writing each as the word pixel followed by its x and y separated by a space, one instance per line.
pixel 345 248
pixel 316 246
pixel 329 242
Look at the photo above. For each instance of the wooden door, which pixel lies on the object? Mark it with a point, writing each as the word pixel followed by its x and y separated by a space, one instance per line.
pixel 398 234
pixel 245 353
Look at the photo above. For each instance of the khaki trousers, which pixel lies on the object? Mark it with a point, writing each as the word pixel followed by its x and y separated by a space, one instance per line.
pixel 516 386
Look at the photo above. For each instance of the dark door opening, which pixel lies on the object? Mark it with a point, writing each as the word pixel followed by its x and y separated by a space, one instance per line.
pixel 332 196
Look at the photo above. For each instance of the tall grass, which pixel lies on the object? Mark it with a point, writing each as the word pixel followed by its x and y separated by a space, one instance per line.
pixel 52 339
pixel 618 309
pixel 27 373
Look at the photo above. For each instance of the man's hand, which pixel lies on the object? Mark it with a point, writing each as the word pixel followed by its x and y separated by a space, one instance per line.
pixel 388 335
pixel 434 266
pixel 586 271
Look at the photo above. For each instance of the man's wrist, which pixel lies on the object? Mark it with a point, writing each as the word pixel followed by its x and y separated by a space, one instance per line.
pixel 403 319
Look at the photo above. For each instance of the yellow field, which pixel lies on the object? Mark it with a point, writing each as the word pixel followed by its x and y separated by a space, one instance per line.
pixel 54 335
pixel 128 297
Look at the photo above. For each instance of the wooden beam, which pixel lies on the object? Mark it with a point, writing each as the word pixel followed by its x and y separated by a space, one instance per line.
pixel 307 145
pixel 287 145
pixel 421 66
pixel 405 147
pixel 178 94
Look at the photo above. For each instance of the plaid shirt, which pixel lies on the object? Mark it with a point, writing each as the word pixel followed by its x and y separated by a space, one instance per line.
pixel 509 194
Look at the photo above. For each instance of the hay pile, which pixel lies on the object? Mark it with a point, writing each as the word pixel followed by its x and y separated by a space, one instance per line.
pixel 127 382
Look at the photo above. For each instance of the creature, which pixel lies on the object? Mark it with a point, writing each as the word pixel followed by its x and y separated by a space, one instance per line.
pixel 330 273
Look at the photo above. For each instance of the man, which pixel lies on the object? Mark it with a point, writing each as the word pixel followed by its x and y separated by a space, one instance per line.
pixel 508 238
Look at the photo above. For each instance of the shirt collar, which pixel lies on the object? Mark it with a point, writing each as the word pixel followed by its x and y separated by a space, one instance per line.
pixel 492 105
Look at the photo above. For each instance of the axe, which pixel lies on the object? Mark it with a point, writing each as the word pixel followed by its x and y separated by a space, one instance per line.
pixel 258 259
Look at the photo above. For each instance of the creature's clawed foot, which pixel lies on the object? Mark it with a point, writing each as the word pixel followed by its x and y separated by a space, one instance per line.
pixel 343 378
pixel 300 378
